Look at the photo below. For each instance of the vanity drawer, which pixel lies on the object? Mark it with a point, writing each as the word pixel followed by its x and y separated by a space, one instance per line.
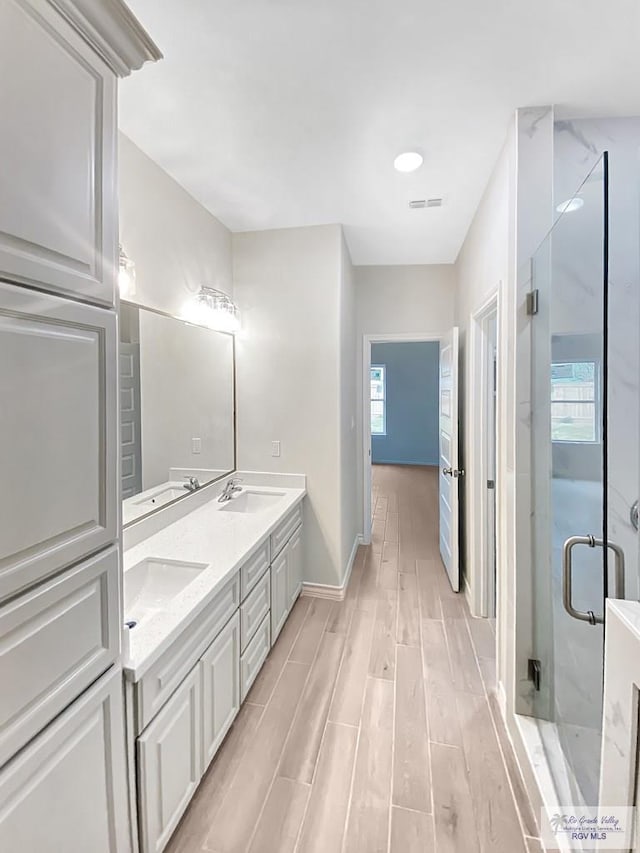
pixel 283 532
pixel 254 656
pixel 254 609
pixel 164 676
pixel 54 642
pixel 254 569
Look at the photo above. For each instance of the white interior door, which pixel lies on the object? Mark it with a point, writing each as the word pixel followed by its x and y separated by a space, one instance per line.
pixel 450 473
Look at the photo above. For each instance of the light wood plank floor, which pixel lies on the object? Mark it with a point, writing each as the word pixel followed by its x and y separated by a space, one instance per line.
pixel 373 726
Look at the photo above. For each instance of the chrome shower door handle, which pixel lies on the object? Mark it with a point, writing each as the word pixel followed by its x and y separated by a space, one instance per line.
pixel 567 576
pixel 448 472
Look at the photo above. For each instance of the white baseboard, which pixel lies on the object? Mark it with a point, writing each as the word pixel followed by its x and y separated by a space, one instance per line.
pixel 466 591
pixel 334 592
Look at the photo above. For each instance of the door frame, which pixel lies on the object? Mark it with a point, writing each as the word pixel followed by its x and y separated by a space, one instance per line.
pixel 365 388
pixel 482 564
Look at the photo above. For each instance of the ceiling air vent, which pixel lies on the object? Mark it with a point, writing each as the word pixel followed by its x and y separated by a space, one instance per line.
pixel 419 203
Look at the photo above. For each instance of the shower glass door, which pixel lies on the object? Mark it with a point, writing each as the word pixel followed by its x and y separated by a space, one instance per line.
pixel 569 386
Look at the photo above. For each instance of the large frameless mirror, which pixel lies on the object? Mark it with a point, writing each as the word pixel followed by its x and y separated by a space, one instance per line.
pixel 177 408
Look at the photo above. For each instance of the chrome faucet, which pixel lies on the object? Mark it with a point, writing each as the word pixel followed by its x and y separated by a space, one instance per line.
pixel 230 489
pixel 193 485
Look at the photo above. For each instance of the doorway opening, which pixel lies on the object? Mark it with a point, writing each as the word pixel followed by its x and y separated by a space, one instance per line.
pixel 483 477
pixel 410 419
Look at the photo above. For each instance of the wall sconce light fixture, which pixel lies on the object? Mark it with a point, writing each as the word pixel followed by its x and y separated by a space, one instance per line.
pixel 126 274
pixel 215 309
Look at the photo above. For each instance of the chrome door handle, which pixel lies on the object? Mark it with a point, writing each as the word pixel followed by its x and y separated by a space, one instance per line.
pixel 453 472
pixel 567 576
pixel 448 472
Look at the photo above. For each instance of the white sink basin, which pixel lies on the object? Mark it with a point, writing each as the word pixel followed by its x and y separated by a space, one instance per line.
pixel 150 586
pixel 161 496
pixel 248 501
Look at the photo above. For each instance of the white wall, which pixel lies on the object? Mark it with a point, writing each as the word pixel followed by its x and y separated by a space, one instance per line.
pixel 397 300
pixel 482 267
pixel 175 243
pixel 291 286
pixel 405 299
pixel 351 519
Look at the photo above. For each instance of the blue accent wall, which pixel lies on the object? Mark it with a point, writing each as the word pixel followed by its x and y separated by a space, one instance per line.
pixel 412 403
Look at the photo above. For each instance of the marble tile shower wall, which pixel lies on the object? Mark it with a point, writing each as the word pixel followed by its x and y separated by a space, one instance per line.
pixel 578 145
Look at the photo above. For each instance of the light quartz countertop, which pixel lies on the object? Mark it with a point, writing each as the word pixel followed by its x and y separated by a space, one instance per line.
pixel 221 540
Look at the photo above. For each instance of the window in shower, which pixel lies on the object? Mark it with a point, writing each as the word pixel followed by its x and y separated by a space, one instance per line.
pixel 575 402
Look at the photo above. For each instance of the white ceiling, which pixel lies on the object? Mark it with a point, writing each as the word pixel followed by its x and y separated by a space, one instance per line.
pixel 281 113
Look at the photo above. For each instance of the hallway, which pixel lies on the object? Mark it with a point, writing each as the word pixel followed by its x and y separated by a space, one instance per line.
pixel 373 725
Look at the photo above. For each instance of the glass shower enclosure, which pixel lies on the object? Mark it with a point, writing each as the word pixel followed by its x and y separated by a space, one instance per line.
pixel 573 571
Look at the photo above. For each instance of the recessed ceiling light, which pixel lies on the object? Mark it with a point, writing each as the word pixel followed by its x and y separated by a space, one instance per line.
pixel 570 205
pixel 408 162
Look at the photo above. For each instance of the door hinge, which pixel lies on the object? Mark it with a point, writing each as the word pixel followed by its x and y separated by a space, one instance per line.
pixel 535 672
pixel 491 484
pixel 532 302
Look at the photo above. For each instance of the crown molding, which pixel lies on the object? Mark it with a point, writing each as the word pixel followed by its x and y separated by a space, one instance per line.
pixel 113 31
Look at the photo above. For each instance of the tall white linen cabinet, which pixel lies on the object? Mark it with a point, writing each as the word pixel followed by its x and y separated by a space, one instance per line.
pixel 62 753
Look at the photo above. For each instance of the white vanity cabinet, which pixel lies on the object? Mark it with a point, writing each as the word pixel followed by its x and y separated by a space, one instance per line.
pixel 286 571
pixel 58 217
pixel 65 790
pixel 220 680
pixel 58 424
pixel 62 744
pixel 170 763
pixel 181 706
pixel 55 640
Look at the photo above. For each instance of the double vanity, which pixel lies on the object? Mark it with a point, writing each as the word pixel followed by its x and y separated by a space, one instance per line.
pixel 205 598
pixel 212 560
pixel 118 430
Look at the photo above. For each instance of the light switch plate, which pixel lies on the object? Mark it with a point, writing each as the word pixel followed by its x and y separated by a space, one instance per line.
pixel 275 448
pixel 196 445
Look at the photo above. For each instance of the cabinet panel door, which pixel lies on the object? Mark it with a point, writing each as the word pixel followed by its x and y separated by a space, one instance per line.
pixel 55 641
pixel 57 148
pixel 220 669
pixel 169 764
pixel 294 548
pixel 254 656
pixel 254 609
pixel 279 593
pixel 162 678
pixel 57 434
pixel 66 791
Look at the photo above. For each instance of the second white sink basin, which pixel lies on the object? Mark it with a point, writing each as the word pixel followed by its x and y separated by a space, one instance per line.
pixel 162 496
pixel 248 501
pixel 150 586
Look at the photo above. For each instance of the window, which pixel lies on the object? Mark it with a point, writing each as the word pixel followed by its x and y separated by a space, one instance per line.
pixel 378 400
pixel 574 402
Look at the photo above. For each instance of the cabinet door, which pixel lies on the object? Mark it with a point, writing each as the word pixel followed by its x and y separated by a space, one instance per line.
pixel 67 789
pixel 59 501
pixel 279 593
pixel 55 640
pixel 294 548
pixel 169 764
pixel 220 673
pixel 58 216
pixel 254 656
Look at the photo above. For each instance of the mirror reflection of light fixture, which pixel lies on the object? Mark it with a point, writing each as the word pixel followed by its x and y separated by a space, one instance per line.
pixel 215 309
pixel 126 273
pixel 571 205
